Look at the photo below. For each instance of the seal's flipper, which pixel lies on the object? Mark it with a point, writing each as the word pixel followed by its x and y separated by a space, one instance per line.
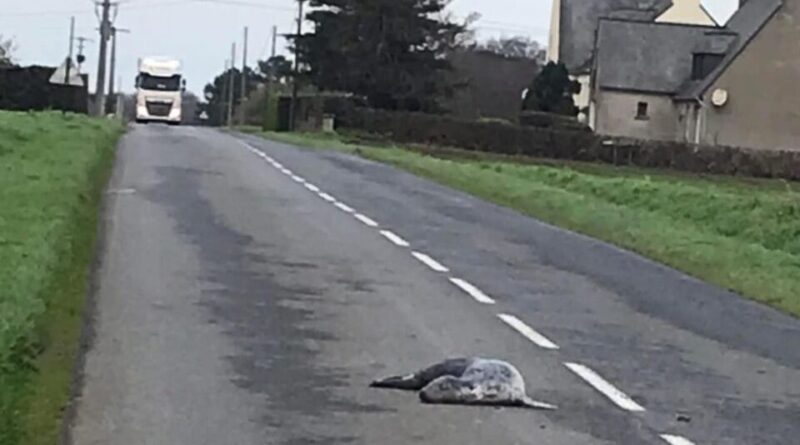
pixel 418 380
pixel 409 383
pixel 527 402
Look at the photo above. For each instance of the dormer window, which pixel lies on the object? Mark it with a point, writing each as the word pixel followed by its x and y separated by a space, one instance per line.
pixel 703 64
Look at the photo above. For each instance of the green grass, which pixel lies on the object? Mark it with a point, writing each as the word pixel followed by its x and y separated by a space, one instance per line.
pixel 53 168
pixel 739 233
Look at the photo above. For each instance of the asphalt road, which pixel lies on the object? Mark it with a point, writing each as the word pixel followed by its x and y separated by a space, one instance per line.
pixel 249 291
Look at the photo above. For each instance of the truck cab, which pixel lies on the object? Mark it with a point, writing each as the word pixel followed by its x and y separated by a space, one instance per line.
pixel 159 90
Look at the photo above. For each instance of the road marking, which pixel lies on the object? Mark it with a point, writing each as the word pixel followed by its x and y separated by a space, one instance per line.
pixel 528 332
pixel 312 187
pixel 327 197
pixel 344 207
pixel 286 171
pixel 430 262
pixel 676 440
pixel 268 158
pixel 298 179
pixel 366 220
pixel 473 291
pixel 278 165
pixel 395 239
pixel 607 389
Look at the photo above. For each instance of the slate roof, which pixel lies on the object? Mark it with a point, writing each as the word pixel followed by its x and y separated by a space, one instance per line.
pixel 746 23
pixel 652 57
pixel 579 20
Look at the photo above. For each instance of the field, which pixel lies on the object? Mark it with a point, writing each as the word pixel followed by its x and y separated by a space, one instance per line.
pixel 738 233
pixel 53 168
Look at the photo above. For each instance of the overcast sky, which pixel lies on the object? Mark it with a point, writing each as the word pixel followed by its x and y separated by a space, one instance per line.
pixel 200 32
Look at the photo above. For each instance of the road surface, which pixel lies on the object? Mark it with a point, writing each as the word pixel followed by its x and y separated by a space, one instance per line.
pixel 248 292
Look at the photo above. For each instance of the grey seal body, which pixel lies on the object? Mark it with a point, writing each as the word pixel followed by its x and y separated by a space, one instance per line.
pixel 467 381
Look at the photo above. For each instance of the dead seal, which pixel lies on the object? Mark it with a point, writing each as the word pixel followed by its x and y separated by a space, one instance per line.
pixel 467 381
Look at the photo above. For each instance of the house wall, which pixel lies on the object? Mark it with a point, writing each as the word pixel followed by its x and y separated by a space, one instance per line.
pixel 762 109
pixel 555 32
pixel 582 99
pixel 615 115
pixel 688 12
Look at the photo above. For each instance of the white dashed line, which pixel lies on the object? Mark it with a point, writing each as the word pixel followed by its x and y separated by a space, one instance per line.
pixel 607 389
pixel 366 220
pixel 676 440
pixel 327 197
pixel 344 207
pixel 395 239
pixel 430 262
pixel 528 332
pixel 473 291
pixel 312 187
pixel 296 178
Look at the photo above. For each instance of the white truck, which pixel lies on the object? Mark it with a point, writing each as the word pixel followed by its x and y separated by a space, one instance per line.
pixel 159 89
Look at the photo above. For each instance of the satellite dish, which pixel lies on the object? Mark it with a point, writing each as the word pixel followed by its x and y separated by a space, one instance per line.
pixel 719 97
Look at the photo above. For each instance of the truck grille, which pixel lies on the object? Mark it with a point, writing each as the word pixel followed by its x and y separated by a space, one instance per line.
pixel 159 108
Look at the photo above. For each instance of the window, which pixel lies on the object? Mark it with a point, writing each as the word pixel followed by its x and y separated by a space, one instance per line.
pixel 641 111
pixel 148 82
pixel 704 64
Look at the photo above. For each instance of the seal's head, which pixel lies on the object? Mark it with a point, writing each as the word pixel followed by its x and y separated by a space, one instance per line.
pixel 447 389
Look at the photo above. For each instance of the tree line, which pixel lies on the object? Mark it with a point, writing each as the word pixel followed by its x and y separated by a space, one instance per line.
pixel 394 54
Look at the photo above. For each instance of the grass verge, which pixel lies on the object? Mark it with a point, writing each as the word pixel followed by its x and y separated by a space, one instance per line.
pixel 738 233
pixel 53 169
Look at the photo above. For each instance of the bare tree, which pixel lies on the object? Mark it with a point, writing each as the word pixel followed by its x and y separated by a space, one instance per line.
pixel 7 47
pixel 518 46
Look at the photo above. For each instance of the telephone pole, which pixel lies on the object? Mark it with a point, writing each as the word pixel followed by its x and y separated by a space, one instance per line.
pixel 112 75
pixel 71 45
pixel 232 85
pixel 223 97
pixel 293 105
pixel 244 78
pixel 105 31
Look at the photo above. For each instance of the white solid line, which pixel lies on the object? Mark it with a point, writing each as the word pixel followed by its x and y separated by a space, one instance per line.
pixel 607 389
pixel 286 171
pixel 676 440
pixel 312 187
pixel 395 239
pixel 366 220
pixel 344 207
pixel 278 165
pixel 269 159
pixel 527 331
pixel 473 291
pixel 298 179
pixel 430 262
pixel 327 197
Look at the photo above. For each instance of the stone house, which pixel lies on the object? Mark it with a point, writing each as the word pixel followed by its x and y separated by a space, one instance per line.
pixel 730 85
pixel 574 25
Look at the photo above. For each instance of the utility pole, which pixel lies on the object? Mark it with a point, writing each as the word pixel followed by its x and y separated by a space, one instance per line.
pixel 270 74
pixel 274 39
pixel 223 97
pixel 293 105
pixel 105 31
pixel 71 45
pixel 232 85
pixel 244 78
pixel 112 75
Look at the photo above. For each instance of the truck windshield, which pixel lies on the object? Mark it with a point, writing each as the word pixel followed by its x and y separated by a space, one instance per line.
pixel 148 82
